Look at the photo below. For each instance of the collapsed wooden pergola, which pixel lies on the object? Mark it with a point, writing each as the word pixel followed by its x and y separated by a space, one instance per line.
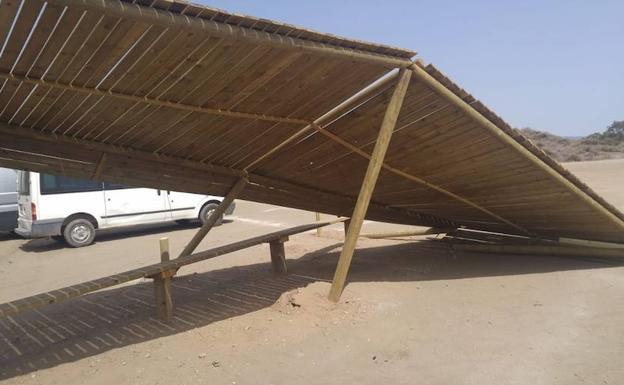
pixel 184 97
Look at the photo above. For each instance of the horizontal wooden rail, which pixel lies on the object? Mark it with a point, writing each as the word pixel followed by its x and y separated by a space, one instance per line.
pixel 151 101
pixel 66 293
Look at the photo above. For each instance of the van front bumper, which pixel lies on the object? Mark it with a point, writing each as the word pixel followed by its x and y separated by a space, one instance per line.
pixel 38 229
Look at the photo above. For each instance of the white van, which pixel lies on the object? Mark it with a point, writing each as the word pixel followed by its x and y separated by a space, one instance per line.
pixel 72 209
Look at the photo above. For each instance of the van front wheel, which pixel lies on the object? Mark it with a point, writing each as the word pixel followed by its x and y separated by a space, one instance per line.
pixel 79 232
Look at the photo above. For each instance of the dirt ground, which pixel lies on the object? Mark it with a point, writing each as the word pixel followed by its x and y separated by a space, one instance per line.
pixel 414 311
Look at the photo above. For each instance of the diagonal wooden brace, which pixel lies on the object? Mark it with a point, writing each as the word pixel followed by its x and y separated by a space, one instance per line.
pixel 216 214
pixel 368 185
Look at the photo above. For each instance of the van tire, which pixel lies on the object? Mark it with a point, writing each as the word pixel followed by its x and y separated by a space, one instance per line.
pixel 205 213
pixel 79 232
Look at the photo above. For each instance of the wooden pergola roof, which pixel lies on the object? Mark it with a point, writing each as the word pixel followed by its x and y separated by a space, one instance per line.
pixel 184 97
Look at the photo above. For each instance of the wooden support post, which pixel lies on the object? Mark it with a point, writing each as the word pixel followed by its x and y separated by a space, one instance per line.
pixel 162 285
pixel 346 224
pixel 368 185
pixel 318 219
pixel 216 214
pixel 278 255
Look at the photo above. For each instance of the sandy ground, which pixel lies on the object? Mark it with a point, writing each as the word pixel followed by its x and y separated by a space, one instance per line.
pixel 413 312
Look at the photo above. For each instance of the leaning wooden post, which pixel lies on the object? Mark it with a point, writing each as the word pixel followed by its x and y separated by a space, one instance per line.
pixel 162 285
pixel 368 185
pixel 216 214
pixel 278 255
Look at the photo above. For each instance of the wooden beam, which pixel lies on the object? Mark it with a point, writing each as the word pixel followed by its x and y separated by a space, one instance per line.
pixel 473 114
pixel 278 255
pixel 565 251
pixel 408 233
pixel 152 101
pixel 189 24
pixel 368 185
pixel 216 214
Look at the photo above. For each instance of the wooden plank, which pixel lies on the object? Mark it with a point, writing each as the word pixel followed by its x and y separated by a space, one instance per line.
pixel 368 185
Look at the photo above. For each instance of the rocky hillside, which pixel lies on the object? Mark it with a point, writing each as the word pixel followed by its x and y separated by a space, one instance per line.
pixel 604 145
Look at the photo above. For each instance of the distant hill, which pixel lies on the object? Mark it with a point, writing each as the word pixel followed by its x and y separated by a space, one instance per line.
pixel 603 145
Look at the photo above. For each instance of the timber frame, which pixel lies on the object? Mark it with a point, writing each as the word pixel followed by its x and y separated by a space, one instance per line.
pixel 185 97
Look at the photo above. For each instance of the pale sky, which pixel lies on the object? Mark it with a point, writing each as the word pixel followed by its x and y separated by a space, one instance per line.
pixel 555 66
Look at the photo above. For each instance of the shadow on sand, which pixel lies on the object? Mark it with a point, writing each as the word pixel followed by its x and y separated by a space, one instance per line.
pixel 123 316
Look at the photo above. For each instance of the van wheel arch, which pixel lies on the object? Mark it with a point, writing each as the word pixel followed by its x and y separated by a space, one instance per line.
pixel 78 230
pixel 86 216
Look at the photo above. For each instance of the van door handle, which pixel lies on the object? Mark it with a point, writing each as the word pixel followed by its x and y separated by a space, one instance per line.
pixel 158 192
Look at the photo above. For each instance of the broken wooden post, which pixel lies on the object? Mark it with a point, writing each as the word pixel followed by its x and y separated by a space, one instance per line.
pixel 368 185
pixel 162 285
pixel 216 214
pixel 278 255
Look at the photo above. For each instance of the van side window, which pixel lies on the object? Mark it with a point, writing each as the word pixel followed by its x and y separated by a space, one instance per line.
pixel 56 184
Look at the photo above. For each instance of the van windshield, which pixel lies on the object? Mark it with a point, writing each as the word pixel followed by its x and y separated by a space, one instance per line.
pixel 23 183
pixel 56 184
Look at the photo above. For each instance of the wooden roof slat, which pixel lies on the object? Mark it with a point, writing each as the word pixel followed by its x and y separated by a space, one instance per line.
pixel 365 52
pixel 17 38
pixel 178 106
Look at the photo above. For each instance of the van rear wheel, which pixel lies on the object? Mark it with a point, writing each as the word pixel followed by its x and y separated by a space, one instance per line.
pixel 207 211
pixel 79 232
